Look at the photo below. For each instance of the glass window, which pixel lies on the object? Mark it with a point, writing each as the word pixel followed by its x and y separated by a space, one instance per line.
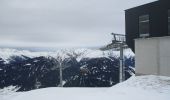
pixel 144 26
pixel 169 22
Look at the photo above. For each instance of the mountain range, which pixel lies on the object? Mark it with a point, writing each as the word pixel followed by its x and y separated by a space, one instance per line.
pixel 81 68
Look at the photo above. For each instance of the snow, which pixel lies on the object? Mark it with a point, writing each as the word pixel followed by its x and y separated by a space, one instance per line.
pixel 8 92
pixel 27 64
pixel 6 53
pixel 159 84
pixel 136 88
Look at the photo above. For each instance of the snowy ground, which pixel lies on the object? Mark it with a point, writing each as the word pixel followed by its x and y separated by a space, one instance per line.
pixel 136 88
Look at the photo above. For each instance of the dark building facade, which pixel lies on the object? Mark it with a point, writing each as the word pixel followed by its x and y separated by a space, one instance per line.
pixel 149 20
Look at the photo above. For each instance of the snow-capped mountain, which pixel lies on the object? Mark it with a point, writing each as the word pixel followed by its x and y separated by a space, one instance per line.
pixel 81 68
pixel 6 53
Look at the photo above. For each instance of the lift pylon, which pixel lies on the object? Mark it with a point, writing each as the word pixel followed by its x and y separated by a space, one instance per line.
pixel 119 44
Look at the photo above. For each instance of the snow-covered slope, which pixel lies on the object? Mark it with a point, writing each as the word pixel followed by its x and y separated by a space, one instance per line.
pixel 136 88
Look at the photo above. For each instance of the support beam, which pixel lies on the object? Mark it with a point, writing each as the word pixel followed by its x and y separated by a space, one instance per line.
pixel 61 75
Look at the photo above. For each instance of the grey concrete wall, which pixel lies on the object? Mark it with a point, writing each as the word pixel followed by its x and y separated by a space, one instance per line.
pixel 153 56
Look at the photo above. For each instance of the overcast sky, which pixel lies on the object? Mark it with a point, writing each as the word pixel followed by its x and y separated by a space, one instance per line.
pixel 62 23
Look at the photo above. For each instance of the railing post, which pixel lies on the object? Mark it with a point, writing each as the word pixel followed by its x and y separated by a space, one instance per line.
pixel 121 64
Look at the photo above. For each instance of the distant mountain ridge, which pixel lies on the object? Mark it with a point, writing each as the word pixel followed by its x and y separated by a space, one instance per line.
pixel 32 70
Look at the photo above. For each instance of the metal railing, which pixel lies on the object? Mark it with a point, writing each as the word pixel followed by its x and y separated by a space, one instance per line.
pixel 118 38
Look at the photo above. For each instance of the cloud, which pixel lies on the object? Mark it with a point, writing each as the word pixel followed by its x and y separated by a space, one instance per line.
pixel 62 22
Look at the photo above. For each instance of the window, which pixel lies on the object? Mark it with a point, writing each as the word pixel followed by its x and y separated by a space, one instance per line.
pixel 144 26
pixel 168 22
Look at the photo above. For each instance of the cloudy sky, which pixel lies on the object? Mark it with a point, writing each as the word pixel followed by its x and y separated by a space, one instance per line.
pixel 62 23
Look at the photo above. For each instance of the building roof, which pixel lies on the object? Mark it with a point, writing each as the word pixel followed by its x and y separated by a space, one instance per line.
pixel 148 4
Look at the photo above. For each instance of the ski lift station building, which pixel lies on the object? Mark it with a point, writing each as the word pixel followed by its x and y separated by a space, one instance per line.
pixel 148 35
